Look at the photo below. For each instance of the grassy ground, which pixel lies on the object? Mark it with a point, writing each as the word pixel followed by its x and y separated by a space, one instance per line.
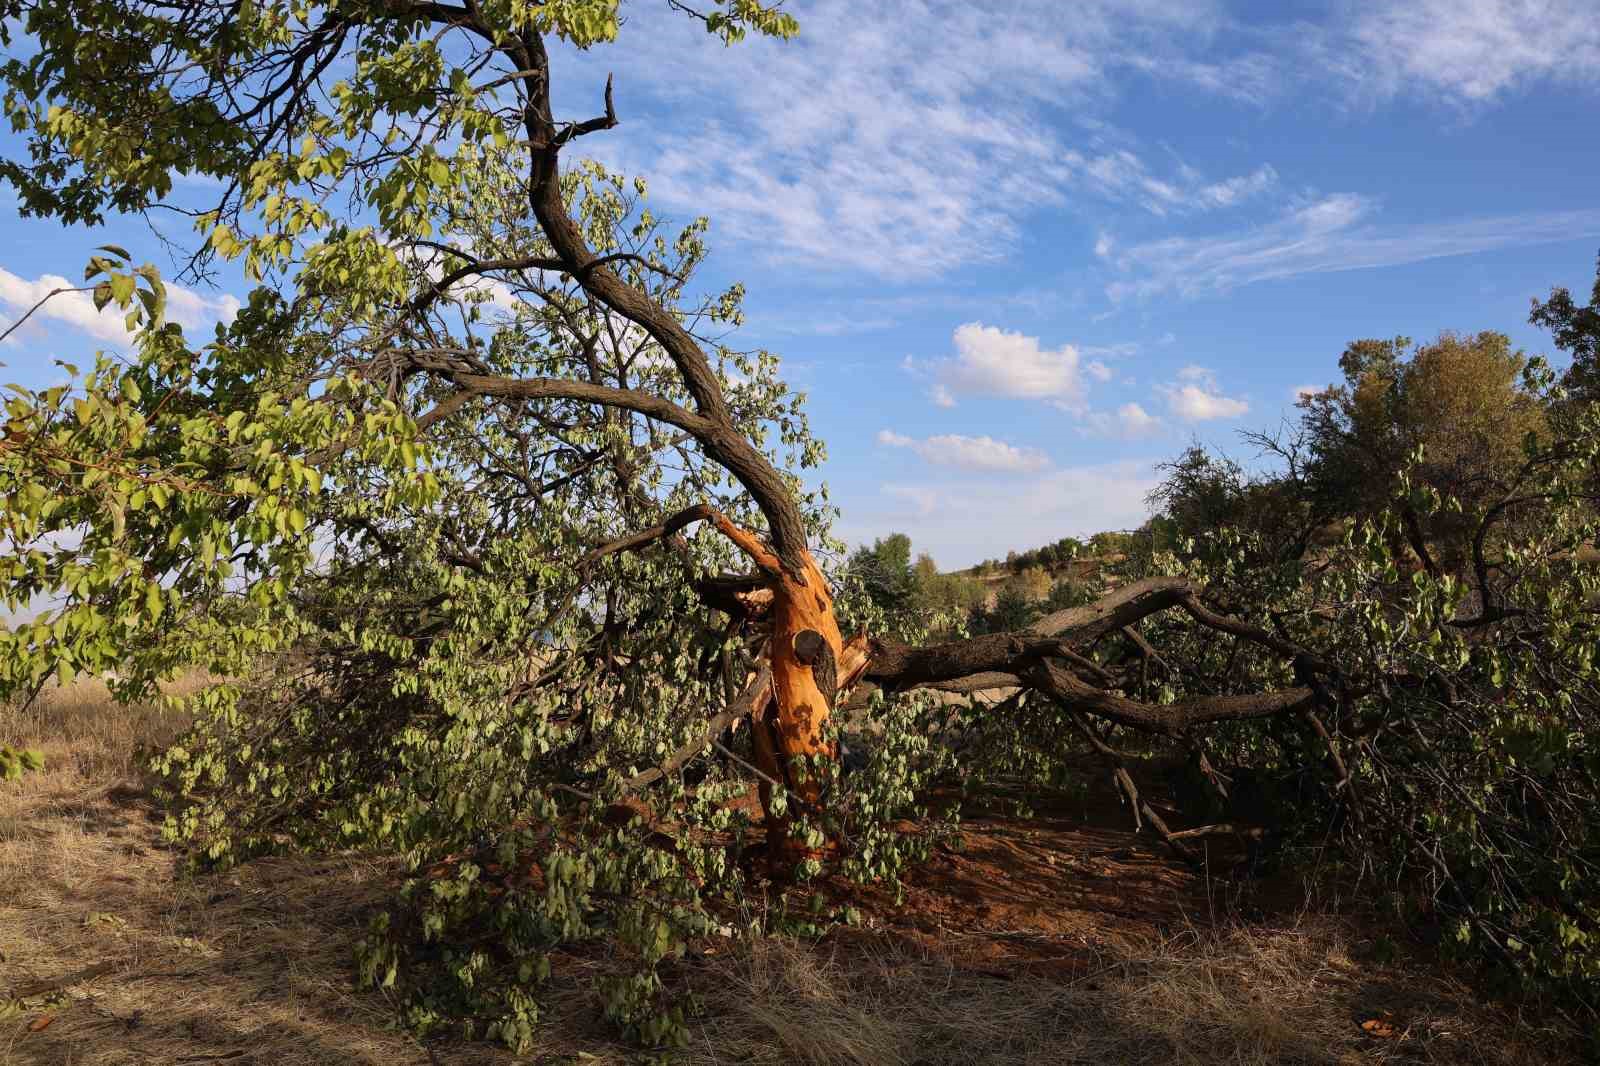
pixel 109 956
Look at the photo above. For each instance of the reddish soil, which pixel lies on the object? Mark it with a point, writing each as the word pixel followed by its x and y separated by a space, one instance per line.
pixel 1059 892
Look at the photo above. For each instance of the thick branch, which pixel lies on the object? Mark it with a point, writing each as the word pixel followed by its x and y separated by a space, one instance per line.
pixel 1172 719
pixel 715 430
pixel 644 403
pixel 749 702
pixel 698 513
pixel 903 666
pixel 1244 630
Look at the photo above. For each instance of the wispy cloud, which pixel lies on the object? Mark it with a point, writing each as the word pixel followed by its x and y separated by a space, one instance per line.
pixel 1234 190
pixel 905 139
pixel 969 453
pixel 1337 232
pixel 1128 422
pixel 908 138
pixel 1474 50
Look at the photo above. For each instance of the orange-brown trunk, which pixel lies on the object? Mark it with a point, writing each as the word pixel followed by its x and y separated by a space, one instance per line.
pixel 807 675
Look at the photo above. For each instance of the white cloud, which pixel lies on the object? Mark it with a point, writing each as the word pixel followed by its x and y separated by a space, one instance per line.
pixel 1097 370
pixel 1198 398
pixel 1234 190
pixel 190 309
pixel 1337 232
pixel 941 396
pixel 997 362
pixel 1195 404
pixel 907 139
pixel 76 309
pixel 969 453
pixel 1128 422
pixel 1121 175
pixel 1300 392
pixel 1074 501
pixel 1474 50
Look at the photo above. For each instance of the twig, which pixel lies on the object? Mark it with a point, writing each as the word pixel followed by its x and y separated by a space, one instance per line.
pixel 53 292
pixel 1125 782
pixel 39 988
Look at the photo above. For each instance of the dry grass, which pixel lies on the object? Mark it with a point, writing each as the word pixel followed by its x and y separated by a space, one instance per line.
pixel 1244 995
pixel 254 966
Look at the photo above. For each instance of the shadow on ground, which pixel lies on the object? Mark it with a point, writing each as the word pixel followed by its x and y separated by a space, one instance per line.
pixel 1060 939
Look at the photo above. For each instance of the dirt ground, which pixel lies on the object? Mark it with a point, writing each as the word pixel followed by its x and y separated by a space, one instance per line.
pixel 1064 938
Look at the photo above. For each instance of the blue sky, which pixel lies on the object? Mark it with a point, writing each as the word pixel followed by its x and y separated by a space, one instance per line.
pixel 1016 253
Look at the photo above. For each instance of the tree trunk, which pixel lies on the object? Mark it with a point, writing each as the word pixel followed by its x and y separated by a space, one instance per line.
pixel 805 653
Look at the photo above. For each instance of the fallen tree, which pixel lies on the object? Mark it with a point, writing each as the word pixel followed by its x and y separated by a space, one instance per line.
pixel 497 539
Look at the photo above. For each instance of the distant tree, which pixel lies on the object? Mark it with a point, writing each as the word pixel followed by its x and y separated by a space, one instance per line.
pixel 885 573
pixel 1202 492
pixel 1012 610
pixel 1033 583
pixel 1068 593
pixel 1110 543
pixel 1466 401
pixel 941 598
pixel 1577 332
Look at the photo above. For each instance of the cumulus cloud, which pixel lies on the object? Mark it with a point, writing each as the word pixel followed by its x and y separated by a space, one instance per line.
pixel 76 309
pixel 997 362
pixel 1196 404
pixel 1196 397
pixel 969 453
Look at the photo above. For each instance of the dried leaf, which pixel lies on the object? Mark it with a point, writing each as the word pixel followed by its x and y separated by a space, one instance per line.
pixel 41 1023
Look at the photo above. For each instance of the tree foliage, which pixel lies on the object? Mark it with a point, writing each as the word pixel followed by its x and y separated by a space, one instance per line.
pixel 1577 332
pixel 1445 619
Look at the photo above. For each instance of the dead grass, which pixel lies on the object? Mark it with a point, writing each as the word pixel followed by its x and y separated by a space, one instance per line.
pixel 255 966
pixel 1241 995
